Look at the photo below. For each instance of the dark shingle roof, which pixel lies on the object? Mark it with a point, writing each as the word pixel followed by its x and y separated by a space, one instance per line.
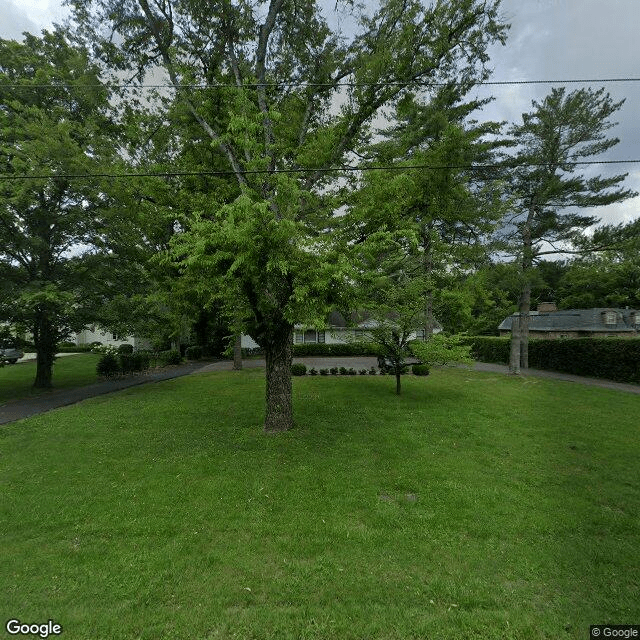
pixel 588 320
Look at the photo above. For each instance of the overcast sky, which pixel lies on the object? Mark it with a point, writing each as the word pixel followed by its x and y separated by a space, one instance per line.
pixel 548 40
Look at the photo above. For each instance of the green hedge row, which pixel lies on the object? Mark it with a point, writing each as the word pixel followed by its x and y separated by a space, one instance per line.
pixel 349 349
pixel 615 359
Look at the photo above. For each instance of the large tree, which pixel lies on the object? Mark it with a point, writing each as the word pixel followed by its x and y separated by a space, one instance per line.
pixel 549 187
pixel 297 97
pixel 54 123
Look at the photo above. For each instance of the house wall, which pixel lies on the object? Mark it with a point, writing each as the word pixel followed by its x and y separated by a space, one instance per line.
pixel 87 336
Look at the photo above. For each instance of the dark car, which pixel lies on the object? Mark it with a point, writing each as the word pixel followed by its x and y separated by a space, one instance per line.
pixel 11 354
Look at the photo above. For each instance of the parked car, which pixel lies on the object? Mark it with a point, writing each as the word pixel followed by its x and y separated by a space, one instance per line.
pixel 11 354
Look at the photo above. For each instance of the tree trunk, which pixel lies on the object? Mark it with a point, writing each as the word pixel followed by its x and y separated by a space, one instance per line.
pixel 45 343
pixel 278 356
pixel 525 308
pixel 397 381
pixel 525 297
pixel 237 353
pixel 514 358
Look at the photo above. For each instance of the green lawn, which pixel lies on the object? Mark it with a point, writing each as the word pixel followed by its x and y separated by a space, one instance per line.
pixel 472 506
pixel 16 380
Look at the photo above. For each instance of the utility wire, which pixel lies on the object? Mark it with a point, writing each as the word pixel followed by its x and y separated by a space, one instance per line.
pixel 226 172
pixel 254 85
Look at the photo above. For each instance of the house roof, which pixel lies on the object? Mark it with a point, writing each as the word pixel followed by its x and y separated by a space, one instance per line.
pixel 587 320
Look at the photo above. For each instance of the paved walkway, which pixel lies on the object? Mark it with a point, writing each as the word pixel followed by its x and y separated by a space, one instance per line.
pixel 18 409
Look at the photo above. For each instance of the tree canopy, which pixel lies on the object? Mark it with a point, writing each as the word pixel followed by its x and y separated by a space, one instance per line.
pixel 55 270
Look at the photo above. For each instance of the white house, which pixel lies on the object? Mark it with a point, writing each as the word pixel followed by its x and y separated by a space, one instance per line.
pixel 337 332
pixel 95 334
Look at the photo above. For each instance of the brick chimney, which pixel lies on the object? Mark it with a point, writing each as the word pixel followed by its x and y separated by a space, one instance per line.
pixel 546 307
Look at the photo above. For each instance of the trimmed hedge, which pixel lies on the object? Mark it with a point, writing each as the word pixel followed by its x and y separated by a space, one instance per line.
pixel 348 349
pixel 171 356
pixel 615 359
pixel 420 369
pixel 298 369
pixel 194 352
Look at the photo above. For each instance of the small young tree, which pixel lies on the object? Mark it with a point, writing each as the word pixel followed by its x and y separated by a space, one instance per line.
pixel 547 184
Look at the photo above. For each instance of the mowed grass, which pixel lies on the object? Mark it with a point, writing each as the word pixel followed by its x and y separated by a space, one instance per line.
pixel 472 506
pixel 16 380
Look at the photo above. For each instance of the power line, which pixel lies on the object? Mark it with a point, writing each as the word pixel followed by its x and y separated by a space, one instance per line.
pixel 227 172
pixel 255 85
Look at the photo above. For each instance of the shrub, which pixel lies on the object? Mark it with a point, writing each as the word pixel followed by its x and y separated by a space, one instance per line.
pixel 313 371
pixel 347 349
pixel 333 371
pixel 108 365
pixel 373 371
pixel 352 372
pixel 363 372
pixel 420 369
pixel 125 348
pixel 324 372
pixel 298 369
pixel 172 356
pixel 343 371
pixel 611 358
pixel 193 352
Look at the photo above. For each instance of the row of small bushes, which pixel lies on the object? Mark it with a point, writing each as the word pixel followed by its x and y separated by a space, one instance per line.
pixel 615 359
pixel 299 369
pixel 115 362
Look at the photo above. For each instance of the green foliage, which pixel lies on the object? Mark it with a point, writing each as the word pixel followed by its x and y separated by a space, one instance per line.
pixel 194 352
pixel 420 369
pixel 441 349
pixel 55 120
pixel 615 359
pixel 265 249
pixel 125 348
pixel 298 369
pixel 170 357
pixel 489 349
pixel 108 365
pixel 347 349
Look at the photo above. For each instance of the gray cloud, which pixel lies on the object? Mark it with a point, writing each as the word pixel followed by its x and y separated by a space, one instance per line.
pixel 15 21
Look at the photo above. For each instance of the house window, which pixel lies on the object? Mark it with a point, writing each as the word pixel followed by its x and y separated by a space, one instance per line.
pixel 420 334
pixel 310 336
pixel 610 317
pixel 321 337
pixel 299 337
